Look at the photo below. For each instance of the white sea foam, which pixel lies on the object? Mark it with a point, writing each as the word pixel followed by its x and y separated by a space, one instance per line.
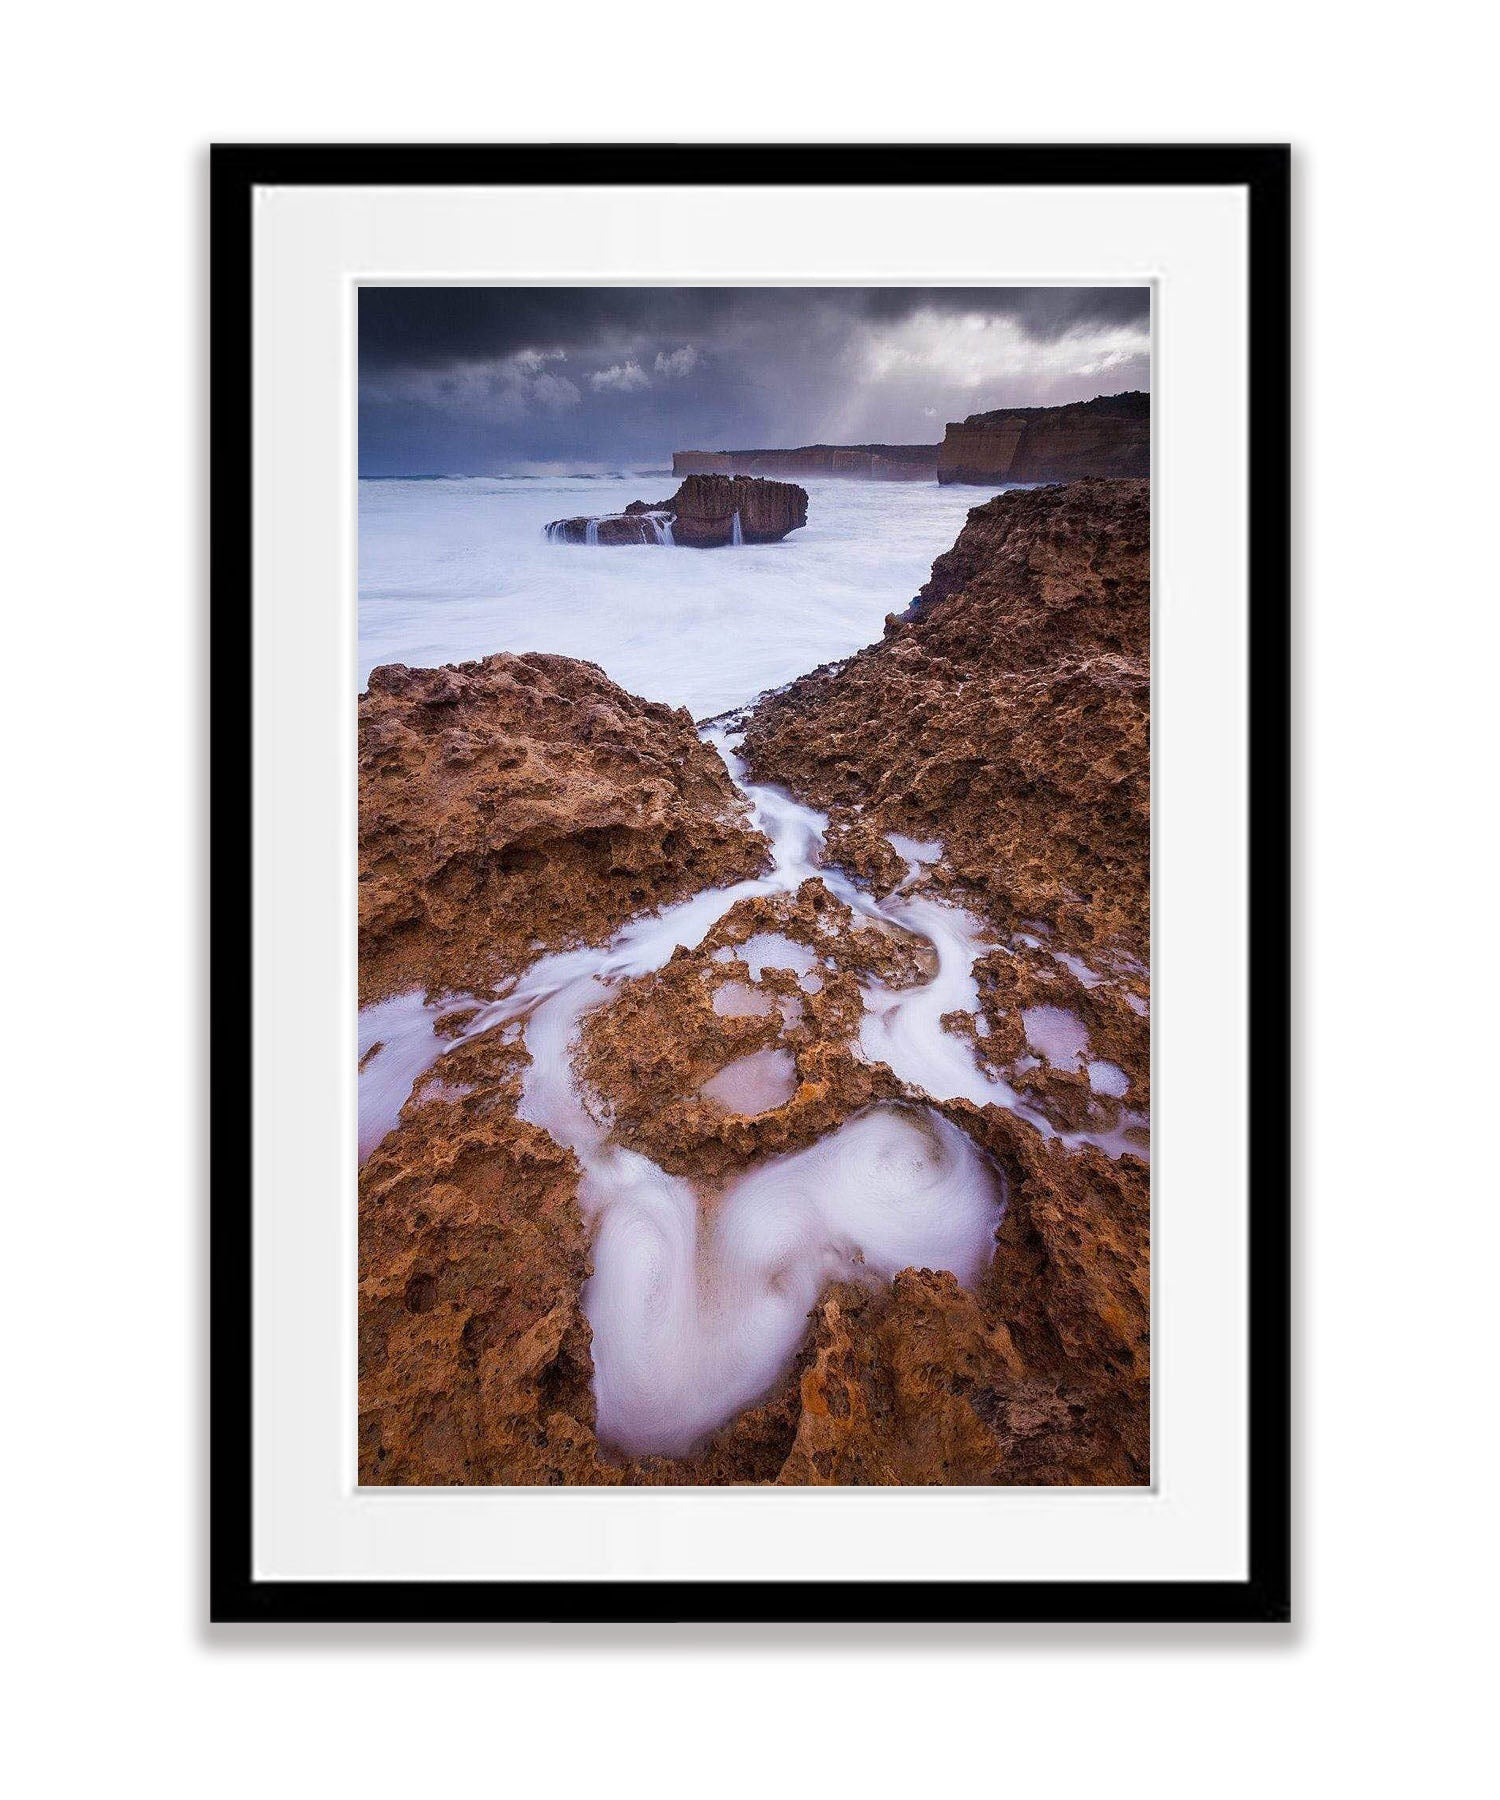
pixel 770 950
pixel 1076 966
pixel 734 1000
pixel 695 1317
pixel 1109 1078
pixel 903 1026
pixel 916 853
pixel 754 1084
pixel 402 1028
pixel 1054 1032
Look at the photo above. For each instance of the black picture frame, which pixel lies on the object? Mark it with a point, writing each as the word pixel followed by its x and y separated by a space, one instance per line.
pixel 1263 171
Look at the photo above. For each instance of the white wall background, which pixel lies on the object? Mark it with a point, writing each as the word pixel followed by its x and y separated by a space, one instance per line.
pixel 1378 1688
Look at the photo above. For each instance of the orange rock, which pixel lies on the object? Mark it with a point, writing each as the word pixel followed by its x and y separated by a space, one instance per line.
pixel 1009 718
pixel 526 801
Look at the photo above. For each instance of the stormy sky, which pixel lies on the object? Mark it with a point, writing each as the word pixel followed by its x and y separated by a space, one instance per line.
pixel 480 381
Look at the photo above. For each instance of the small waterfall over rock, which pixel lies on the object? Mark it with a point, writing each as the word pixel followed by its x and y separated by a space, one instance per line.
pixel 738 535
pixel 650 527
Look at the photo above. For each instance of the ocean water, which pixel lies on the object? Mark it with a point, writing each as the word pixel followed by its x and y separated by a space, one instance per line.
pixel 453 570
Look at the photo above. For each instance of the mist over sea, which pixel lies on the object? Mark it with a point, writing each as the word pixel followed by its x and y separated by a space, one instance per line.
pixel 455 569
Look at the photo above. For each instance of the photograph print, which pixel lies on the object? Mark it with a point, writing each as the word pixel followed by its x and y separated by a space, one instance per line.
pixel 754 778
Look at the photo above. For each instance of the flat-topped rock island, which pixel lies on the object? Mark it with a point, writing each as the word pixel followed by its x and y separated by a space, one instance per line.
pixel 706 513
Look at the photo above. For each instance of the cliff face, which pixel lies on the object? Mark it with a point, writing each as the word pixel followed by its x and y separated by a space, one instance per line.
pixel 706 507
pixel 868 462
pixel 525 799
pixel 1108 437
pixel 699 516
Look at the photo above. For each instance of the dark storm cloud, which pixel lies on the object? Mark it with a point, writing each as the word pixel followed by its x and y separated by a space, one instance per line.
pixel 474 380
pixel 430 326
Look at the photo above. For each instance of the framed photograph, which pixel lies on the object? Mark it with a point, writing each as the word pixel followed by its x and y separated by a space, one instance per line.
pixel 750 883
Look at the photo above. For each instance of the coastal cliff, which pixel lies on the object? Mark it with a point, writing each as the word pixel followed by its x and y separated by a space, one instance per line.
pixel 1106 437
pixel 864 462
